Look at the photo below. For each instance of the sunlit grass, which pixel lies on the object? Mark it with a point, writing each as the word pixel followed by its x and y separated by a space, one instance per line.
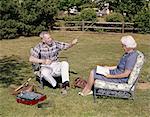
pixel 92 49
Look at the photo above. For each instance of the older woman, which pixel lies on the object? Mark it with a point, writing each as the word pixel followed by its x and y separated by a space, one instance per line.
pixel 119 73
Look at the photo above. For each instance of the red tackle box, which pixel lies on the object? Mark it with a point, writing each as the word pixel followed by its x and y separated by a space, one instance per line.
pixel 42 97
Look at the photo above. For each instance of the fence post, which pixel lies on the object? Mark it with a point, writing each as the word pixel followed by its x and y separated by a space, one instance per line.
pixel 82 25
pixel 123 24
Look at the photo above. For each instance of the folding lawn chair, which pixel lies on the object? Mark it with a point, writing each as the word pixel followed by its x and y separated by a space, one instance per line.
pixel 120 90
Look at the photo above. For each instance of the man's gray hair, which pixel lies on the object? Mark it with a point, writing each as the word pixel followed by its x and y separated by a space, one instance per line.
pixel 43 33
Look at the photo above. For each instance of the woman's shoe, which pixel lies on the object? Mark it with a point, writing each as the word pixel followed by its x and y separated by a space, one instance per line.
pixel 90 93
pixel 82 94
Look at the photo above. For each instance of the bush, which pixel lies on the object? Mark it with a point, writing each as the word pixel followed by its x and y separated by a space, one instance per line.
pixel 142 21
pixel 88 14
pixel 114 17
pixel 73 18
pixel 25 17
pixel 28 30
pixel 12 28
pixel 8 29
pixel 38 29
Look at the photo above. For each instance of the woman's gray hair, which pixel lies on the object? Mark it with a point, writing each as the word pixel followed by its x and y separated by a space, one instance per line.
pixel 128 41
pixel 43 33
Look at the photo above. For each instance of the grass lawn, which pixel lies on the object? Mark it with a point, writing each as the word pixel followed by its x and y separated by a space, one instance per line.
pixel 92 49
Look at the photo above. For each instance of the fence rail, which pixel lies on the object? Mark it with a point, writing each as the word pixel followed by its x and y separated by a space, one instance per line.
pixel 85 25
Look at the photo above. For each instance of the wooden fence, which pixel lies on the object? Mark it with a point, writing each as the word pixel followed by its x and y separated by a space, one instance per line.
pixel 88 25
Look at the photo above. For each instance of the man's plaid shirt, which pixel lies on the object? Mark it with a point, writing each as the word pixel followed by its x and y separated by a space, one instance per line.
pixel 48 51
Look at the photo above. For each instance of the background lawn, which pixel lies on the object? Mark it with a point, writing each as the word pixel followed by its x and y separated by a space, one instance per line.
pixel 92 49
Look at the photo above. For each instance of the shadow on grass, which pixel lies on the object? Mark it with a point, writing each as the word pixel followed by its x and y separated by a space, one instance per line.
pixel 13 70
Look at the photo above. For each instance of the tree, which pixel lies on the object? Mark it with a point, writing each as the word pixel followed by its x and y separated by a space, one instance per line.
pixel 130 7
pixel 9 19
pixel 66 4
pixel 27 17
pixel 142 19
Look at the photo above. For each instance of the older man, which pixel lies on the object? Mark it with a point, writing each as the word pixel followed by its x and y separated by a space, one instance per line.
pixel 46 54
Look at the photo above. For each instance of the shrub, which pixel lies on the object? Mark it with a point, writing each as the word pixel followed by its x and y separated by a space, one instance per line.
pixel 25 17
pixel 142 21
pixel 12 28
pixel 88 14
pixel 8 29
pixel 28 30
pixel 38 29
pixel 114 17
pixel 73 18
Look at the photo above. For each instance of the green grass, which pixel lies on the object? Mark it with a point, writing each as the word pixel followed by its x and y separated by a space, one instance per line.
pixel 92 49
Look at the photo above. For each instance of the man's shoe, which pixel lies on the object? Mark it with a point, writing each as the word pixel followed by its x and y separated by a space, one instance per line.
pixel 60 85
pixel 64 91
pixel 66 85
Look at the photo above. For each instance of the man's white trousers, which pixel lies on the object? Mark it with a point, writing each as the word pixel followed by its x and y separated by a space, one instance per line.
pixel 55 69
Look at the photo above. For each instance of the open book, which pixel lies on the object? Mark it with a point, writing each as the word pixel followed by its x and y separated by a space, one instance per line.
pixel 102 70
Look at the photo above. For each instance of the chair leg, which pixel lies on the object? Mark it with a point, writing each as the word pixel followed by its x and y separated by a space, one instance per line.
pixel 132 96
pixel 94 95
pixel 41 82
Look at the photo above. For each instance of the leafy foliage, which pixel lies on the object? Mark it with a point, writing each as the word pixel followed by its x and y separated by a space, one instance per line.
pixel 142 21
pixel 8 28
pixel 26 17
pixel 73 18
pixel 66 4
pixel 114 17
pixel 88 14
pixel 130 7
